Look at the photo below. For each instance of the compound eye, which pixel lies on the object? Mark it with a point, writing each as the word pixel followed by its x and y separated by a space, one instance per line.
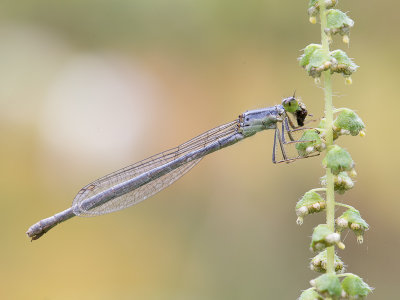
pixel 290 104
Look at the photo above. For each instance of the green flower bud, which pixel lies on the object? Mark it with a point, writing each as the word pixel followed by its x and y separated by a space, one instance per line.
pixel 318 63
pixel 355 287
pixel 351 219
pixel 348 80
pixel 315 60
pixel 342 63
pixel 342 182
pixel 310 294
pixel 338 160
pixel 353 173
pixel 312 143
pixel 348 121
pixel 313 6
pixel 338 22
pixel 319 262
pixel 323 237
pixel 304 59
pixel 311 202
pixel 313 20
pixel 328 285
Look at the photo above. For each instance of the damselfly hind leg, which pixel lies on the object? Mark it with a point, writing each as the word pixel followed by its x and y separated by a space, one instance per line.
pixel 285 141
pixel 277 136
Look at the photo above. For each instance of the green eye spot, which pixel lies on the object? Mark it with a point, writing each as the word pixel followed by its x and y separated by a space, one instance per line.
pixel 290 104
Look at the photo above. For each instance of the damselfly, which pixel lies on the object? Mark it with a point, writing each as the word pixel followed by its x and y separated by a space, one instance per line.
pixel 145 178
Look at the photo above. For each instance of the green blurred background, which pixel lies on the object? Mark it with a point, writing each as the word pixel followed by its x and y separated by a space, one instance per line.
pixel 87 87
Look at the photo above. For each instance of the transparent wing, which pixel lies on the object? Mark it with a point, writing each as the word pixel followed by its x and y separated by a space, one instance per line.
pixel 145 165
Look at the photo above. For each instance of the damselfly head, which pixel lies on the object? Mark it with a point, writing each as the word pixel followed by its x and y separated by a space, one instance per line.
pixel 290 104
pixel 297 108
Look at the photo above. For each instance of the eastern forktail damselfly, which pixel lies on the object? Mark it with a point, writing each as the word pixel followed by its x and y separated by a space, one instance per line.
pixel 145 178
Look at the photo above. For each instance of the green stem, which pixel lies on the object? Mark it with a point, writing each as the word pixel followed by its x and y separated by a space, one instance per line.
pixel 344 205
pixel 330 194
pixel 339 109
pixel 318 190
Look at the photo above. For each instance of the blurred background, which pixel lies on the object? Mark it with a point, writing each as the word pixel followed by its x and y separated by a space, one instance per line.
pixel 88 87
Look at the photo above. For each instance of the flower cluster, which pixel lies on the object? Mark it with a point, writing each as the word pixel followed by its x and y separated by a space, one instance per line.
pixel 329 286
pixel 351 219
pixel 315 61
pixel 318 59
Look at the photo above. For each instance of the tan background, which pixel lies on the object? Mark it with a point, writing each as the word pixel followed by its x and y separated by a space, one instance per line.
pixel 87 87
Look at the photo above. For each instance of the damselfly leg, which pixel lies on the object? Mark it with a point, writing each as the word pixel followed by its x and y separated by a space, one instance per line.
pixel 285 139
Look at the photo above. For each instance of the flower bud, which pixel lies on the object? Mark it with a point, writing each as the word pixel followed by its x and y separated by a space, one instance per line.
pixel 310 294
pixel 338 160
pixel 348 80
pixel 315 60
pixel 319 263
pixel 338 22
pixel 342 182
pixel 344 132
pixel 309 142
pixel 355 287
pixel 311 202
pixel 341 224
pixel 351 219
pixel 304 59
pixel 348 122
pixel 353 173
pixel 323 237
pixel 344 64
pixel 328 285
pixel 313 20
pixel 313 6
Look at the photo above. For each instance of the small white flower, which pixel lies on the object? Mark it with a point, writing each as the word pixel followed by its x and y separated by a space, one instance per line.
pixel 349 183
pixel 299 221
pixel 333 238
pixel 353 173
pixel 343 223
pixel 302 211
pixel 317 206
pixel 309 149
pixel 344 132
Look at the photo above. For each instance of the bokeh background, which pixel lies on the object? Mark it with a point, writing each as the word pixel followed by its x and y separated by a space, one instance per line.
pixel 88 87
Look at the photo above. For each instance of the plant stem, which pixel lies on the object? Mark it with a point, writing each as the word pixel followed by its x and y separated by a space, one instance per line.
pixel 344 205
pixel 336 110
pixel 330 194
pixel 318 190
